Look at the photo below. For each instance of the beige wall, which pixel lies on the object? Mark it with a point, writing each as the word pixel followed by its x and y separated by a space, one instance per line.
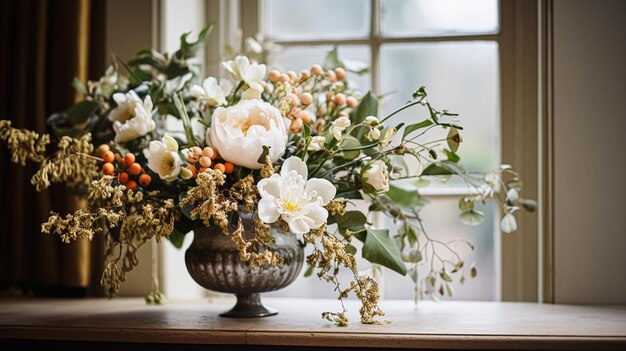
pixel 589 151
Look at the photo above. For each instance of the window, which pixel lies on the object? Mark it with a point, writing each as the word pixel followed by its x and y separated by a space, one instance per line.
pixel 467 55
pixel 449 46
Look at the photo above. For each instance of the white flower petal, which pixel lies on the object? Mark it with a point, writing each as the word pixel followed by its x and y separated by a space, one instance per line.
pixel 270 187
pixel 317 187
pixel 170 143
pixel 268 211
pixel 296 164
pixel 299 225
pixel 508 223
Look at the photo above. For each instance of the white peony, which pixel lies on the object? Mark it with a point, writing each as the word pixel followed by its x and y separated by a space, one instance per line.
pixel 290 196
pixel 164 159
pixel 338 126
pixel 132 118
pixel 251 73
pixel 211 93
pixel 239 132
pixel 376 177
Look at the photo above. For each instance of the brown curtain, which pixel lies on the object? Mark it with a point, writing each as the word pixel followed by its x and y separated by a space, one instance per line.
pixel 44 45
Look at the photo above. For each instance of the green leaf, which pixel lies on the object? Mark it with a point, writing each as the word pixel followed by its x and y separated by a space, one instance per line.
pixel 368 106
pixel 452 156
pixel 177 238
pixel 350 249
pixel 81 112
pixel 445 276
pixel 435 169
pixel 379 248
pixel 472 217
pixel 309 271
pixel 190 49
pixel 331 61
pixel 350 194
pixel 351 219
pixel 413 127
pixel 266 151
pixel 408 198
pixel 412 255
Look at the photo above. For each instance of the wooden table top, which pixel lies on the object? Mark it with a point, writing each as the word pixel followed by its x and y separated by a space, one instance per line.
pixel 466 325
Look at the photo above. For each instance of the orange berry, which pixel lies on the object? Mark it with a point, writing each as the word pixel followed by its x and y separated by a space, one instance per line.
pixel 108 168
pixel 193 170
pixel 145 180
pixel 341 73
pixel 135 169
pixel 340 99
pixel 191 157
pixel 208 152
pixel 196 150
pixel 283 78
pixel 296 125
pixel 317 70
pixel 205 161
pixel 306 98
pixel 220 167
pixel 292 75
pixel 273 76
pixel 102 149
pixel 129 159
pixel 118 157
pixel 331 76
pixel 351 102
pixel 216 154
pixel 202 169
pixel 131 185
pixel 304 75
pixel 122 178
pixel 108 157
pixel 229 167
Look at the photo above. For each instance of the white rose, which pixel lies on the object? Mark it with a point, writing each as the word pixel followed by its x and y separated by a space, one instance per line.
pixel 338 126
pixel 239 132
pixel 376 175
pixel 298 201
pixel 132 118
pixel 317 143
pixel 211 93
pixel 251 73
pixel 164 159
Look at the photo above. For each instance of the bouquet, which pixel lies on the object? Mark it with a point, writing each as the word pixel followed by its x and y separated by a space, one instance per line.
pixel 157 152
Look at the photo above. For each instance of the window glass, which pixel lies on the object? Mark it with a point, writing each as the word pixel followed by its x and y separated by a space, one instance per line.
pixel 422 18
pixel 320 19
pixel 461 77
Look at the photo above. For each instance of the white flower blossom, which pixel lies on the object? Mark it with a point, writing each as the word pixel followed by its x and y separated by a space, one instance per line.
pixel 251 73
pixel 132 118
pixel 298 201
pixel 373 134
pixel 371 121
pixel 317 143
pixel 211 93
pixel 389 134
pixel 338 126
pixel 239 132
pixel 164 159
pixel 376 176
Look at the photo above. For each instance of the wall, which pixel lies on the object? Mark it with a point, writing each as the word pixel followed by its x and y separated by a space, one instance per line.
pixel 589 72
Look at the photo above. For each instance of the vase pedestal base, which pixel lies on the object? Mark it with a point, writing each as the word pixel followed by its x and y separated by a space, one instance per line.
pixel 249 306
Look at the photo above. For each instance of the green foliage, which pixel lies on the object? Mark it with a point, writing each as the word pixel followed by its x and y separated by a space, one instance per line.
pixel 408 198
pixel 417 126
pixel 368 106
pixel 379 248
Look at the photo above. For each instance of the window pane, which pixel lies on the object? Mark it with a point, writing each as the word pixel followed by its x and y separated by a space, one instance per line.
pixel 321 19
pixel 438 17
pixel 441 221
pixel 297 58
pixel 461 77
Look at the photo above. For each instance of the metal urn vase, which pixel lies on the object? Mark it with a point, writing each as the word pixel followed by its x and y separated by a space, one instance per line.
pixel 213 262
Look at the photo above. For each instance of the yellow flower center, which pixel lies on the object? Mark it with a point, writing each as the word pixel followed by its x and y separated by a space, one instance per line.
pixel 291 206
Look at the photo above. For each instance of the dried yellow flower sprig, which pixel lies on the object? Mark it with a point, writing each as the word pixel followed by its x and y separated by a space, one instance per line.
pixel 139 219
pixel 208 201
pixel 70 164
pixel 329 257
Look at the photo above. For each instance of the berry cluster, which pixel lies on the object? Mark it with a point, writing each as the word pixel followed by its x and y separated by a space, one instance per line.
pixel 129 172
pixel 202 159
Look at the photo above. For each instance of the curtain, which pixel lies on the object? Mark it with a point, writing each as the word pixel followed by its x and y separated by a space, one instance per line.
pixel 44 45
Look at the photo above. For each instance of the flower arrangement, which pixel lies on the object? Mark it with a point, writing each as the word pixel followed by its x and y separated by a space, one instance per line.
pixel 158 152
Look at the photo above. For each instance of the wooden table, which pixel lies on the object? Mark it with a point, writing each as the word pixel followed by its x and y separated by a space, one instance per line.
pixel 125 323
